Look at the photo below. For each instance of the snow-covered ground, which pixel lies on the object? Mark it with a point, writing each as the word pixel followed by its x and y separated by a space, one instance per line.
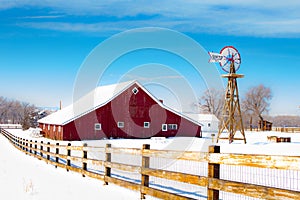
pixel 26 177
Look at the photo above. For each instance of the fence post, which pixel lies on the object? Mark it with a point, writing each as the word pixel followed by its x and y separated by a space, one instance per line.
pixel 57 154
pixel 15 140
pixel 41 149
pixel 145 164
pixel 48 151
pixel 23 144
pixel 213 172
pixel 84 156
pixel 107 171
pixel 35 147
pixel 68 159
pixel 26 144
pixel 30 147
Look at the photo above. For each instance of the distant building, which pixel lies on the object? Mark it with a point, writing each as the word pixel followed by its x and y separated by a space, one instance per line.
pixel 39 113
pixel 43 113
pixel 11 126
pixel 210 123
pixel 124 110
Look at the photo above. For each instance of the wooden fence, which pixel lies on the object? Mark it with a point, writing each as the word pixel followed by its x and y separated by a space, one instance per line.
pixel 64 156
pixel 287 129
pixel 11 126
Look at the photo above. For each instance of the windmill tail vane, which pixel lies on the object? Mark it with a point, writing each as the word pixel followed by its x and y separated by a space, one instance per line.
pixel 215 57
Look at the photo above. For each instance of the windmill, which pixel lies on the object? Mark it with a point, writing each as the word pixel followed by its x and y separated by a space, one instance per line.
pixel 231 121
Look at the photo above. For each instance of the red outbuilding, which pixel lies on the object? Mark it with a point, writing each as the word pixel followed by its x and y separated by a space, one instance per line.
pixel 124 110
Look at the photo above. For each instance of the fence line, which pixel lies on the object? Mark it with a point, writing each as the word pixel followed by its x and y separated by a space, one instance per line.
pixel 287 129
pixel 76 158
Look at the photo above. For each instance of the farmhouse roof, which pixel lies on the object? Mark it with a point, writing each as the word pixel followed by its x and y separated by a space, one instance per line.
pixel 202 117
pixel 98 98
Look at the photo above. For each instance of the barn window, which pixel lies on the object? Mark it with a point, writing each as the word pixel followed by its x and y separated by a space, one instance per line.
pixel 172 126
pixel 146 124
pixel 97 126
pixel 120 124
pixel 59 128
pixel 48 127
pixel 54 128
pixel 135 90
pixel 164 127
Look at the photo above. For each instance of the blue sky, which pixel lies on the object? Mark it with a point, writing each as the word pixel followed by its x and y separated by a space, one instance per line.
pixel 44 43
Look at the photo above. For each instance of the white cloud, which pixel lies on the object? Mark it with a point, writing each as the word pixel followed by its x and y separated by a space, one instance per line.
pixel 249 17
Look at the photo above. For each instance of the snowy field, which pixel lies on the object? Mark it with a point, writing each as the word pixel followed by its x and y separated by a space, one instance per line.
pixel 26 177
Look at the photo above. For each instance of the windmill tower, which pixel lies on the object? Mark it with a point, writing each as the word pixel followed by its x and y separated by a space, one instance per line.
pixel 231 121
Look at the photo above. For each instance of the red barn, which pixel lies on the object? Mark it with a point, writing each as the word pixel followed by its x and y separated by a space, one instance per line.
pixel 124 110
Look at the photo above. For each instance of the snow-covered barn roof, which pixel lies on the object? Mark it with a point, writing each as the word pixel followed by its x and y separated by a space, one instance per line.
pixel 96 99
pixel 202 117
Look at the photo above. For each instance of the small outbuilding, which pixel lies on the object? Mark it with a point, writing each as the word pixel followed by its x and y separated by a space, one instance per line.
pixel 124 110
pixel 265 125
pixel 210 123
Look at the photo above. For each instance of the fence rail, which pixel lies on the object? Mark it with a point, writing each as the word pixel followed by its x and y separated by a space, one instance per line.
pixel 75 158
pixel 287 129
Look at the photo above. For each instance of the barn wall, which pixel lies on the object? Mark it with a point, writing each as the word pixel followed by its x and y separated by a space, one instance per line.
pixel 52 133
pixel 133 110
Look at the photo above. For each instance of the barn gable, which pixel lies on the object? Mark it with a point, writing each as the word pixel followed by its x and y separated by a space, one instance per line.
pixel 125 110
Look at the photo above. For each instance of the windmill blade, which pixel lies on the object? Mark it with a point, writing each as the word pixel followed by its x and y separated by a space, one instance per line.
pixel 231 55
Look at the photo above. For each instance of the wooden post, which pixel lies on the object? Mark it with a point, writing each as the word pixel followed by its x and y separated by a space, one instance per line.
pixel 84 156
pixel 145 164
pixel 213 172
pixel 23 144
pixel 41 149
pixel 68 154
pixel 35 147
pixel 30 147
pixel 15 140
pixel 107 171
pixel 26 144
pixel 57 154
pixel 48 151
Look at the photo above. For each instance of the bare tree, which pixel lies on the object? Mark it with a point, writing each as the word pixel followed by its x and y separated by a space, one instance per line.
pixel 3 109
pixel 285 120
pixel 257 101
pixel 212 102
pixel 16 112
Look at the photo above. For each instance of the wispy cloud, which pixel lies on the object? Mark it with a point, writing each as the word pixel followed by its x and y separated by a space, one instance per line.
pixel 44 17
pixel 249 17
